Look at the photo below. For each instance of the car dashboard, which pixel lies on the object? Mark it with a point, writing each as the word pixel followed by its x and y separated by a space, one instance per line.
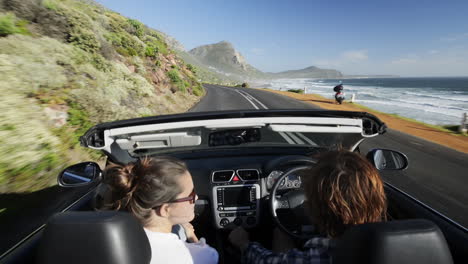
pixel 235 187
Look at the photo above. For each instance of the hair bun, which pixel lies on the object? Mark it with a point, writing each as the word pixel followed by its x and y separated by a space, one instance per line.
pixel 121 180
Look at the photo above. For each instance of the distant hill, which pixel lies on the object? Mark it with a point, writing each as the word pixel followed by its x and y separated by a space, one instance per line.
pixel 309 72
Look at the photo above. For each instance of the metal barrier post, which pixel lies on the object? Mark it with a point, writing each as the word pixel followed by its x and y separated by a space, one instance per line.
pixel 353 98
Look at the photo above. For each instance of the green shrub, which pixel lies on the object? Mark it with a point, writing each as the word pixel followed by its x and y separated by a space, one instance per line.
pixel 137 26
pixel 299 91
pixel 122 51
pixel 174 76
pixel 124 41
pixel 132 52
pixel 151 51
pixel 80 29
pixel 191 68
pixel 78 118
pixel 9 24
pixel 100 63
pixel 198 90
pixel 51 5
pixel 84 39
pixel 157 44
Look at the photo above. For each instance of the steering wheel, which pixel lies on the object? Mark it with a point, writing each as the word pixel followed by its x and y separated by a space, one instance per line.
pixel 292 202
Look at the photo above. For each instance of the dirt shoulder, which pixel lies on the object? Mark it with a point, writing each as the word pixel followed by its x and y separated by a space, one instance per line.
pixel 458 142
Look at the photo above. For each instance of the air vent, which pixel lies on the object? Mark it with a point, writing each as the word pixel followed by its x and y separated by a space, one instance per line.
pixel 248 175
pixel 222 176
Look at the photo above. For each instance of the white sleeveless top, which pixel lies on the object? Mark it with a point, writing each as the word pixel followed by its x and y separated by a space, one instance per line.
pixel 168 248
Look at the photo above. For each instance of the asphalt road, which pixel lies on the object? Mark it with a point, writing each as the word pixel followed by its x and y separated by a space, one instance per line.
pixel 437 176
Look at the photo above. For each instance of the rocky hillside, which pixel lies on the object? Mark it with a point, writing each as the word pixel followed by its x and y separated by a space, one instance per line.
pixel 223 59
pixel 66 65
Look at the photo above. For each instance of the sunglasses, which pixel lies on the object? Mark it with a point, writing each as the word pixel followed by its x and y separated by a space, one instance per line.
pixel 191 198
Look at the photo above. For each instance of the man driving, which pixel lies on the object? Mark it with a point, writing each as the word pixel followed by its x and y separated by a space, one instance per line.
pixel 342 190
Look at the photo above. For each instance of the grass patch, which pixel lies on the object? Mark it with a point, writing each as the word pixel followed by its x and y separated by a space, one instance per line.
pixel 158 45
pixel 198 90
pixel 9 25
pixel 79 119
pixel 7 127
pixel 125 44
pixel 138 28
pixel 49 4
pixel 299 91
pixel 182 87
pixel 174 76
pixel 192 68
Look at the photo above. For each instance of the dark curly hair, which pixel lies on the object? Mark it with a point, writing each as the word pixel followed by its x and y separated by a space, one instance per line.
pixel 343 189
pixel 140 186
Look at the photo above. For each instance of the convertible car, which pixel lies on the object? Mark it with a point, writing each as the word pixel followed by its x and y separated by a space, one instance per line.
pixel 247 170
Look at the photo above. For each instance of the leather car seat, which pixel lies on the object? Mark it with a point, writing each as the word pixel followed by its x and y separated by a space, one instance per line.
pixel 94 237
pixel 404 241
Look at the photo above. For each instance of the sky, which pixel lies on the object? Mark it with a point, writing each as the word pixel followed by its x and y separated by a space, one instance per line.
pixel 398 37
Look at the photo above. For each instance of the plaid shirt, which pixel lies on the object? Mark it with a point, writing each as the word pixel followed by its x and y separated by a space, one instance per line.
pixel 316 251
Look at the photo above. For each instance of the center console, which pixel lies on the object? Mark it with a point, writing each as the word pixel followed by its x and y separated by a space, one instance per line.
pixel 236 203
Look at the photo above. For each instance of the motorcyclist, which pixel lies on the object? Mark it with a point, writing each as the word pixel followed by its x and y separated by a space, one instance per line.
pixel 339 94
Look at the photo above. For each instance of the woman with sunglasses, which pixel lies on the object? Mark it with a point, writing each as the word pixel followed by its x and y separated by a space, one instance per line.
pixel 160 193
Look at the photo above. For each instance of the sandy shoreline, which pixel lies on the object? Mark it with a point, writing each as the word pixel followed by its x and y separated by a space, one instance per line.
pixel 457 142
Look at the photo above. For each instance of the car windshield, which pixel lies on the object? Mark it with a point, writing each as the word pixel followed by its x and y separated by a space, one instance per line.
pixel 151 137
pixel 239 138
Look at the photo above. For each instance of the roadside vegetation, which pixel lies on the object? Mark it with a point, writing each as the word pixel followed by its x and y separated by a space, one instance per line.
pixel 299 91
pixel 66 65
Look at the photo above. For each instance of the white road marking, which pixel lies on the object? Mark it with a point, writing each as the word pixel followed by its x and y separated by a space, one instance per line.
pixel 289 140
pixel 290 137
pixel 252 100
pixel 295 138
pixel 306 139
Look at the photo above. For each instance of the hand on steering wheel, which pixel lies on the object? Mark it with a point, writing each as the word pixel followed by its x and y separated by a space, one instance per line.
pixel 292 201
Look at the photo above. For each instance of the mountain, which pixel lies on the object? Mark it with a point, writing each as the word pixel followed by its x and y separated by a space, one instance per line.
pixel 224 59
pixel 221 57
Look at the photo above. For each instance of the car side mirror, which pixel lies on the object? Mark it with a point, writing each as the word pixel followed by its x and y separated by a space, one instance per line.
pixel 80 174
pixel 387 159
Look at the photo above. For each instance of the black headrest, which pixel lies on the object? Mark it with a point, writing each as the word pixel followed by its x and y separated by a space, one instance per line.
pixel 94 237
pixel 406 241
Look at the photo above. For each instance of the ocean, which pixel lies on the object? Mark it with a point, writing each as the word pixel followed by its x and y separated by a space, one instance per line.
pixel 437 101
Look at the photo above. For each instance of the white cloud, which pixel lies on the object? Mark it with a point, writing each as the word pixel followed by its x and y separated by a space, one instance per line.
pixel 410 59
pixel 454 38
pixel 355 55
pixel 344 59
pixel 447 62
